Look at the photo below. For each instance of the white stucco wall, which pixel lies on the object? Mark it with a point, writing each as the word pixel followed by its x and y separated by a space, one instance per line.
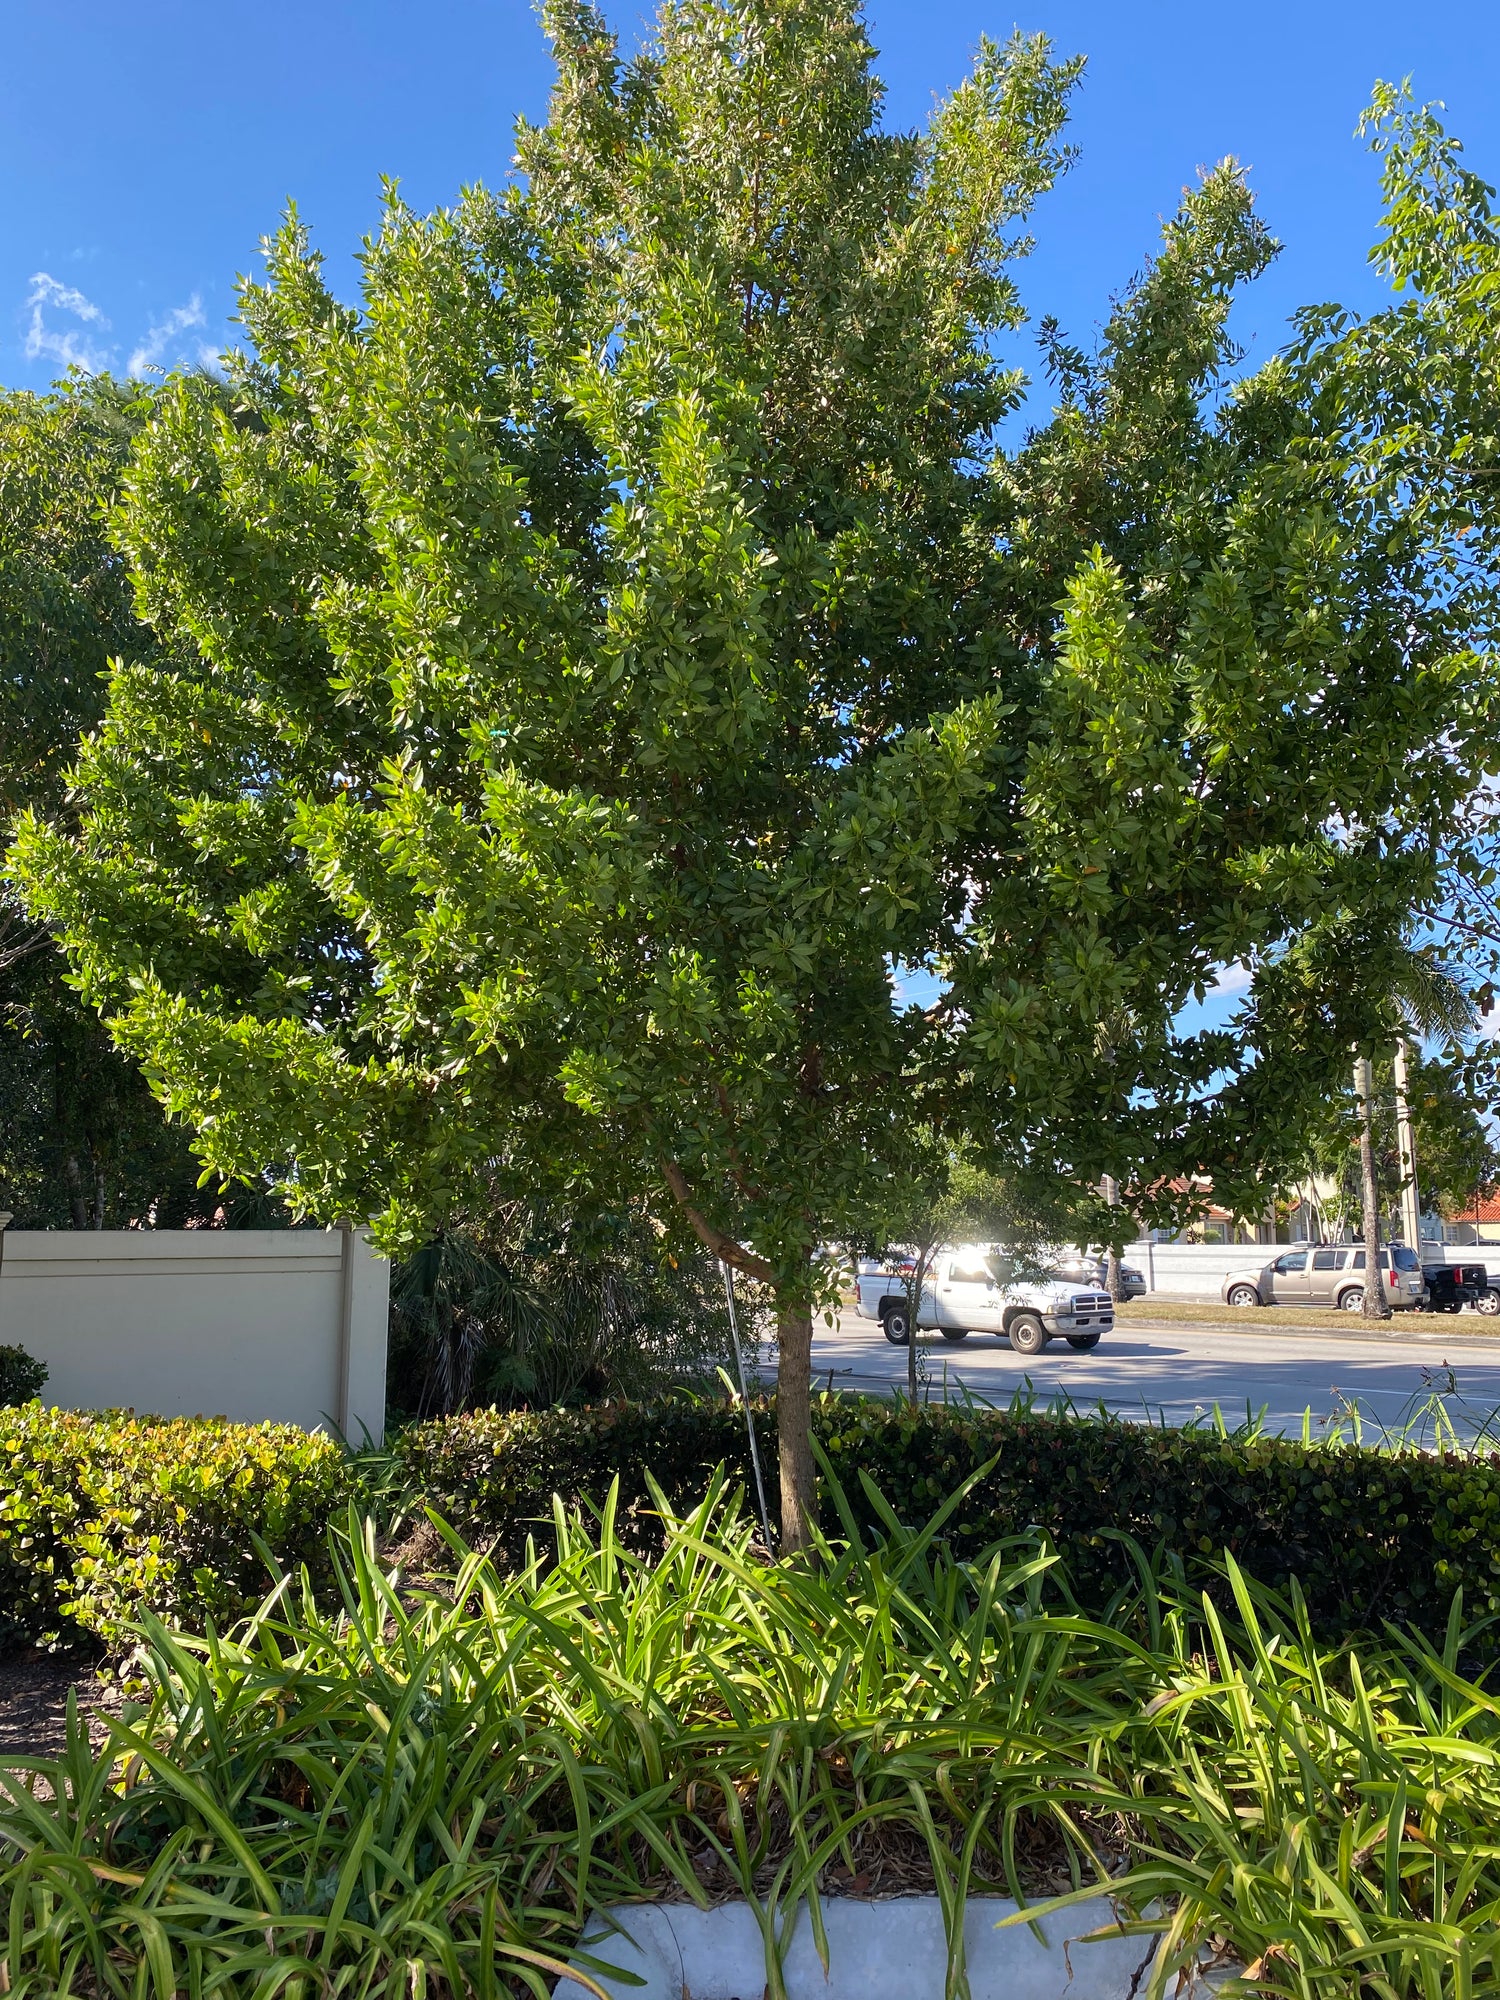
pixel 286 1324
pixel 1195 1270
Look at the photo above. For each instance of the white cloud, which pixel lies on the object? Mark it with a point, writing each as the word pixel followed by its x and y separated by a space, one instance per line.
pixel 158 338
pixel 1231 979
pixel 65 344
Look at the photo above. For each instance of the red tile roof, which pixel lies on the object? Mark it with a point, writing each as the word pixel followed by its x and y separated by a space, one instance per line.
pixel 1484 1208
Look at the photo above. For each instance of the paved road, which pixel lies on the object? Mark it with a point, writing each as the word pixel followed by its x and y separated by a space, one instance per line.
pixel 1176 1372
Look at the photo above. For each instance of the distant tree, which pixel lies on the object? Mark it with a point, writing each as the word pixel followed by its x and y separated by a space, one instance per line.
pixel 1456 1143
pixel 595 662
pixel 950 1200
pixel 82 1140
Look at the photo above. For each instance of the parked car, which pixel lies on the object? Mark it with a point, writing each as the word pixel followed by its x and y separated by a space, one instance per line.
pixel 1453 1286
pixel 1090 1271
pixel 970 1290
pixel 1327 1274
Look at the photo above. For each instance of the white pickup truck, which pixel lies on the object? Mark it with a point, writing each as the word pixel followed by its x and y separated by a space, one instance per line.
pixel 967 1290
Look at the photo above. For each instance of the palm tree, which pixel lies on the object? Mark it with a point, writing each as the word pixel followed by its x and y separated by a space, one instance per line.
pixel 538 1311
pixel 1429 999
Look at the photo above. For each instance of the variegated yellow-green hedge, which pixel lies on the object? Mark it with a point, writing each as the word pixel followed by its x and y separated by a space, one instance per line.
pixel 102 1513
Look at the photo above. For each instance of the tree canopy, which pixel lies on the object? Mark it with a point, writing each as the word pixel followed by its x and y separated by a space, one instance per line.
pixel 82 1140
pixel 596 660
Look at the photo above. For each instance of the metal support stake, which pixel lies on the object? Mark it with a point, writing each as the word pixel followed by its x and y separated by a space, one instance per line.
pixel 739 1362
pixel 1406 1146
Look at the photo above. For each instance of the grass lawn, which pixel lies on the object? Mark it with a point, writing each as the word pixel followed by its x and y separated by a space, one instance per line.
pixel 1328 1319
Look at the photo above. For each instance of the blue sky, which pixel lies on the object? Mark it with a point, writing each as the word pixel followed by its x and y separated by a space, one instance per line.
pixel 146 149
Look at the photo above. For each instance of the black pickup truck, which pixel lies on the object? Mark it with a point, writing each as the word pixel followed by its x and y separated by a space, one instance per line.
pixel 1450 1286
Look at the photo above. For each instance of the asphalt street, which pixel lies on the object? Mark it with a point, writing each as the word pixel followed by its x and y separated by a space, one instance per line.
pixel 1174 1373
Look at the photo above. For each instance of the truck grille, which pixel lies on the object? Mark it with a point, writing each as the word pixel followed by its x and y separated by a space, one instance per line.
pixel 1092 1307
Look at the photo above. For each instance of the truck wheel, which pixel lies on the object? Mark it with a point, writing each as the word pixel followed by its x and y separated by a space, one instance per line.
pixel 895 1324
pixel 1083 1341
pixel 954 1332
pixel 1026 1333
pixel 1487 1302
pixel 1243 1295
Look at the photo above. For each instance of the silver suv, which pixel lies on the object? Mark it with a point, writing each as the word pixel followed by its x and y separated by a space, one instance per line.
pixel 1326 1274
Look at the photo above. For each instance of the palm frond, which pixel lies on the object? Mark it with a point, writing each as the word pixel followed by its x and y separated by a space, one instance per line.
pixel 1432 997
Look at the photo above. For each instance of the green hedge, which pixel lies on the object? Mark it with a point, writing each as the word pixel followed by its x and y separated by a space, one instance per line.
pixel 101 1513
pixel 1369 1535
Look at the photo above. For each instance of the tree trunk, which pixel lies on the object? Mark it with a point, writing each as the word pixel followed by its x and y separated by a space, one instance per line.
pixel 1109 1187
pixel 77 1205
pixel 794 1423
pixel 1377 1306
pixel 799 1490
pixel 912 1309
pixel 1406 1146
pixel 1112 1273
pixel 913 1312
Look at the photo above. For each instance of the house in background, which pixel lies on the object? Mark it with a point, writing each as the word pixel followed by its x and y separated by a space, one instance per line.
pixel 1310 1214
pixel 1479 1222
pixel 1214 1224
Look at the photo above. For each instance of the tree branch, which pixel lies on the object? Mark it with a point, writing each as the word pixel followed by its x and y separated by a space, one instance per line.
pixel 724 1247
pixel 12 952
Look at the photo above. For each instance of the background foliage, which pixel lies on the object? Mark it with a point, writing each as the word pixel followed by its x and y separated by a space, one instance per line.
pixel 536 1307
pixel 1453 1106
pixel 21 1375
pixel 83 1144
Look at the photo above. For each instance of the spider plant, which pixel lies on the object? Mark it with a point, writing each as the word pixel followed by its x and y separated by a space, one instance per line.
pixel 427 1792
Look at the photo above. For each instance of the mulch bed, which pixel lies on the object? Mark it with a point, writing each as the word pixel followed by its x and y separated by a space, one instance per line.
pixel 890 1860
pixel 34 1689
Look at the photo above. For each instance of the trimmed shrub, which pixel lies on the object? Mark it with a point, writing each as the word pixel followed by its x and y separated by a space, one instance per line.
pixel 21 1376
pixel 1370 1535
pixel 101 1514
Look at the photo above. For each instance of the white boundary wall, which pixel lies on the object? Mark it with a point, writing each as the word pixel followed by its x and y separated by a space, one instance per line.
pixel 1197 1270
pixel 253 1324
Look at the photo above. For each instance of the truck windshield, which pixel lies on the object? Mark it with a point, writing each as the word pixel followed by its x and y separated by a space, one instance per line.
pixel 978 1267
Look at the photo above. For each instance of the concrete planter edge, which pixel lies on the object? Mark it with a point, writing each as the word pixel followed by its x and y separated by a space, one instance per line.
pixel 894 1948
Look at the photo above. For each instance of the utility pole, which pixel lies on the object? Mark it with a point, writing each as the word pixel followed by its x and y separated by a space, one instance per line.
pixel 1406 1146
pixel 1377 1306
